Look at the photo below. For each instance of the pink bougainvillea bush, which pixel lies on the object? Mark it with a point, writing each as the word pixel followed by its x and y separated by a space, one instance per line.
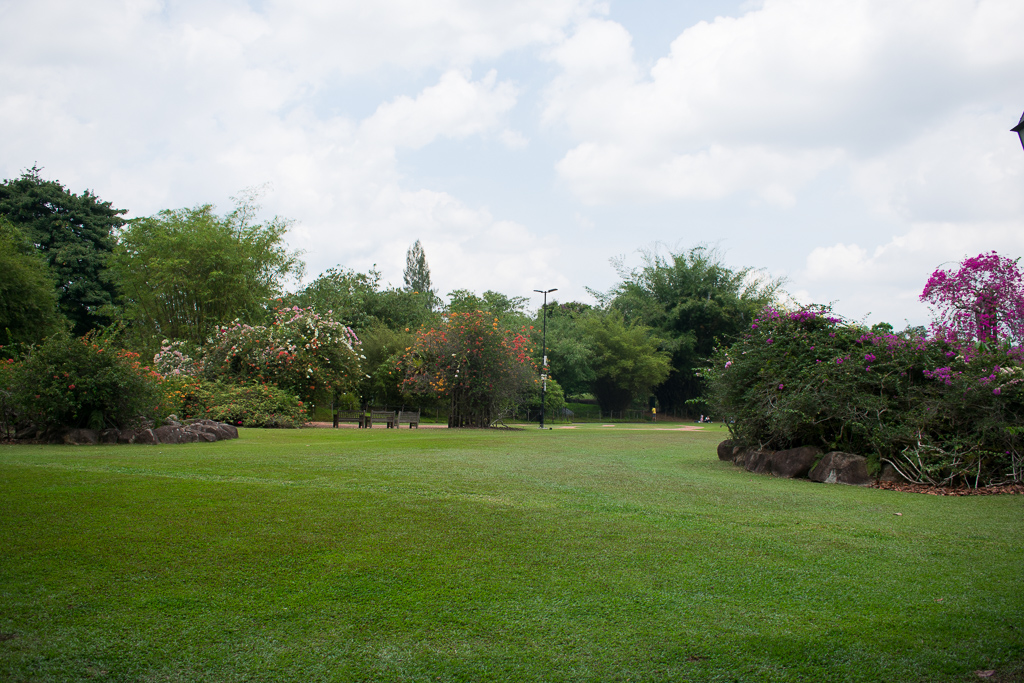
pixel 941 412
pixel 981 301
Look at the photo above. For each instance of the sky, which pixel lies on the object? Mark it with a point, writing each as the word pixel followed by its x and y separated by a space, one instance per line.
pixel 850 147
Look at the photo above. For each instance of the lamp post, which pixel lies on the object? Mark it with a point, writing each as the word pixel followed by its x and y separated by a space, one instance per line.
pixel 1019 130
pixel 544 353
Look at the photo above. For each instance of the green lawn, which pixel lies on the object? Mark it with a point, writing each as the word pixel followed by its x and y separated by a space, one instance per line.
pixel 591 554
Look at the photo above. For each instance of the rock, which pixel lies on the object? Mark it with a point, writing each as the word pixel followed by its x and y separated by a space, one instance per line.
pixel 203 432
pixel 759 462
pixel 145 436
pixel 725 450
pixel 794 463
pixel 25 431
pixel 168 434
pixel 126 435
pixel 841 468
pixel 227 431
pixel 739 456
pixel 77 437
pixel 109 436
pixel 889 473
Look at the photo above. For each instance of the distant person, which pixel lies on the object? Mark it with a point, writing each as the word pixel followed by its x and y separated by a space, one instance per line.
pixel 654 414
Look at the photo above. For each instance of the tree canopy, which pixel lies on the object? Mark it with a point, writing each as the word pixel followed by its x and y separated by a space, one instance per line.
pixel 74 234
pixel 28 302
pixel 692 300
pixel 185 271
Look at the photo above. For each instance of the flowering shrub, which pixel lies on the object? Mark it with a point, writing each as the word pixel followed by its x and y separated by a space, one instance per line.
pixel 241 404
pixel 309 355
pixel 84 382
pixel 939 413
pixel 473 362
pixel 982 301
pixel 178 358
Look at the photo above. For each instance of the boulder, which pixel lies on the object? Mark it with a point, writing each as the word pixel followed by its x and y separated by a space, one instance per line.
pixel 795 463
pixel 79 437
pixel 725 450
pixel 889 473
pixel 127 435
pixel 739 456
pixel 168 434
pixel 109 436
pixel 145 436
pixel 203 432
pixel 759 462
pixel 25 431
pixel 227 431
pixel 837 467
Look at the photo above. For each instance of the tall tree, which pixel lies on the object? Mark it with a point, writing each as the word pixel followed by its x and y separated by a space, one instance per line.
pixel 185 271
pixel 625 358
pixel 28 301
pixel 417 273
pixel 691 299
pixel 74 233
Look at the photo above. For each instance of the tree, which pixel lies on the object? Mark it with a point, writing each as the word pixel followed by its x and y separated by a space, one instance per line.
pixel 28 301
pixel 417 273
pixel 343 293
pixel 626 361
pixel 691 299
pixel 480 367
pixel 982 301
pixel 569 353
pixel 183 272
pixel 74 235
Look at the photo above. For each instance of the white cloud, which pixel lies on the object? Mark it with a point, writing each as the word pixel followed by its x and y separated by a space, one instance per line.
pixel 766 102
pixel 887 281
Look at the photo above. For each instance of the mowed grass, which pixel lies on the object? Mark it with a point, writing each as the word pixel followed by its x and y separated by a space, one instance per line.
pixel 594 554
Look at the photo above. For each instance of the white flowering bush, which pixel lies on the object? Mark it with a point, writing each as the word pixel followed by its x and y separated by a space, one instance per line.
pixel 313 356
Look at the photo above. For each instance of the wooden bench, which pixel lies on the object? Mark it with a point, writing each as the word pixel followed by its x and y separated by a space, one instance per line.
pixel 385 416
pixel 409 417
pixel 356 416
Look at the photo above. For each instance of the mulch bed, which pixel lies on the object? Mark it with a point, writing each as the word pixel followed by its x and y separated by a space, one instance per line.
pixel 947 491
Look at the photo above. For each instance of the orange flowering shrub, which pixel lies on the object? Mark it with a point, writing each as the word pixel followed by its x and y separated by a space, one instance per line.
pixel 470 359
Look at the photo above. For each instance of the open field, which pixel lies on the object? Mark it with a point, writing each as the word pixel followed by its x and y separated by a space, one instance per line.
pixel 590 554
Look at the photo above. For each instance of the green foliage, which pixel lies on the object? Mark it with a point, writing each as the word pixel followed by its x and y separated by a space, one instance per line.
pixel 72 382
pixel 480 367
pixel 569 353
pixel 342 293
pixel 74 235
pixel 244 404
pixel 554 400
pixel 383 348
pixel 509 310
pixel 417 274
pixel 184 272
pixel 625 358
pixel 936 412
pixel 28 301
pixel 691 299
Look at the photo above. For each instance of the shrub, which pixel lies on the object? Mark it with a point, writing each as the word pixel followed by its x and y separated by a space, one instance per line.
pixel 309 355
pixel 938 412
pixel 84 382
pixel 471 360
pixel 248 404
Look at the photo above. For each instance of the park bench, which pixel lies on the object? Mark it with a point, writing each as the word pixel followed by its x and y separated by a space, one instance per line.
pixel 385 416
pixel 409 417
pixel 356 416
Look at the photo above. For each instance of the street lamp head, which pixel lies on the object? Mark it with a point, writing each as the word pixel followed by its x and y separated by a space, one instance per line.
pixel 1019 130
pixel 546 291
